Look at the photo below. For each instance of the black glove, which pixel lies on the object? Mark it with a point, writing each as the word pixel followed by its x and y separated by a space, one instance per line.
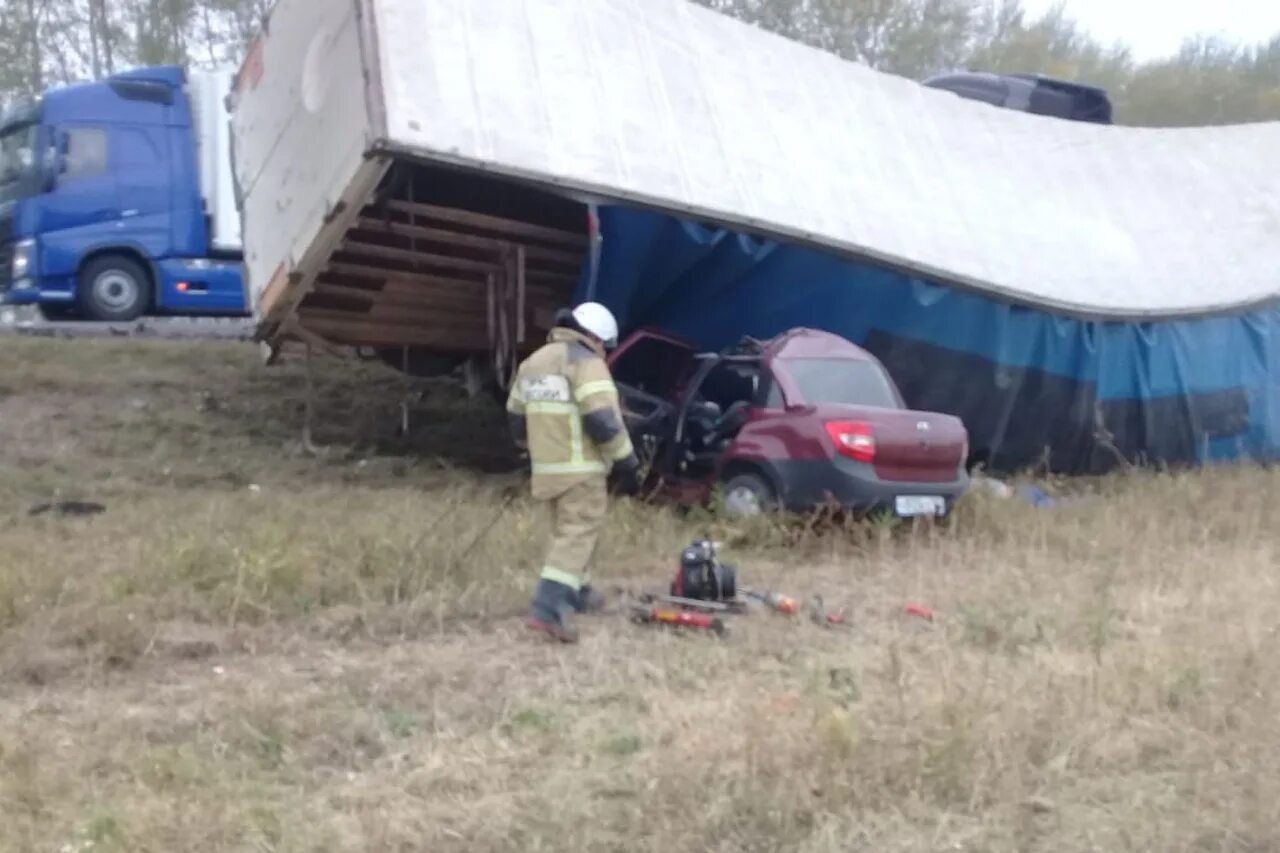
pixel 627 475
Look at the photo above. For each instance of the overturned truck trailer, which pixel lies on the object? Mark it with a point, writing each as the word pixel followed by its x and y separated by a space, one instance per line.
pixel 437 176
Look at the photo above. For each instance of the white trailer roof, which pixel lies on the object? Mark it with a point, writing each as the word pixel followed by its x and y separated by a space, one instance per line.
pixel 669 105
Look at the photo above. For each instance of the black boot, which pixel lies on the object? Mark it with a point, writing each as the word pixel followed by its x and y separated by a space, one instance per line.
pixel 590 601
pixel 554 606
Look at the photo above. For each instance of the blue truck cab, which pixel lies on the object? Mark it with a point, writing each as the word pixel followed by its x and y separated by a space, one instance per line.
pixel 1030 93
pixel 116 199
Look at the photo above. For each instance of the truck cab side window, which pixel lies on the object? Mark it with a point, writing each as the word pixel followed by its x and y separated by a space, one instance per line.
pixel 86 152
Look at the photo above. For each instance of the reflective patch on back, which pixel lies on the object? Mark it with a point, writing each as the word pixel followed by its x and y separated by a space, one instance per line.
pixel 546 389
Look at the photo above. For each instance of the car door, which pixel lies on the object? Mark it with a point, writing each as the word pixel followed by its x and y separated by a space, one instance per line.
pixel 653 362
pixel 771 435
pixel 651 369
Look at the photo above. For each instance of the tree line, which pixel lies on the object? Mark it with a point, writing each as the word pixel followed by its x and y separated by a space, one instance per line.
pixel 53 42
pixel 1209 81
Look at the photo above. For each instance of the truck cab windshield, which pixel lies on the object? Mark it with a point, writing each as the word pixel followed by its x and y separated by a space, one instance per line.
pixel 17 160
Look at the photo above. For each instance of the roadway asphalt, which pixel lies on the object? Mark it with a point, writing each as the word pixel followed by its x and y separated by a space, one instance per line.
pixel 24 322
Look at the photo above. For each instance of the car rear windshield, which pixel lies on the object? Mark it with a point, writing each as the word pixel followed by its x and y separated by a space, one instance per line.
pixel 842 381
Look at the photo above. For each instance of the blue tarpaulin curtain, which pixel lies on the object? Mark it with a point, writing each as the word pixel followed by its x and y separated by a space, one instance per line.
pixel 1033 388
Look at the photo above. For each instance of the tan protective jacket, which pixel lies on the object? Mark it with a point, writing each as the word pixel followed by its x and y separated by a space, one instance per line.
pixel 564 409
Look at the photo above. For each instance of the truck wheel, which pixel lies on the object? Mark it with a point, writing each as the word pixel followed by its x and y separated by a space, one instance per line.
pixel 114 289
pixel 748 496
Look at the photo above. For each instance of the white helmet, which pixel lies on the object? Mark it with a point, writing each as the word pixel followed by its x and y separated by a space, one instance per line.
pixel 597 320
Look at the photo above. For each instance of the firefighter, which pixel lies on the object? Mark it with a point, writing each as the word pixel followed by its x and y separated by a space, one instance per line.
pixel 564 410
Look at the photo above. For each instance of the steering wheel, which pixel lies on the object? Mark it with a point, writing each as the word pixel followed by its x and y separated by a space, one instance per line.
pixel 644 411
pixel 737 410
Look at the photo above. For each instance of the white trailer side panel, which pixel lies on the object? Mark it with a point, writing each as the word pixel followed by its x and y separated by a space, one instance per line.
pixel 209 90
pixel 301 127
pixel 667 104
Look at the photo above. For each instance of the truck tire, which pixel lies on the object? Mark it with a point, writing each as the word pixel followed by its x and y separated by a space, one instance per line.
pixel 748 495
pixel 114 289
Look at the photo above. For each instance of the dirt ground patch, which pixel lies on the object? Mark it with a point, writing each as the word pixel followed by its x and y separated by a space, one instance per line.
pixel 257 649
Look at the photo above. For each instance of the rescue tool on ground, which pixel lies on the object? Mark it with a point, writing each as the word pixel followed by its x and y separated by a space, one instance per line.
pixel 702 577
pixel 705 588
pixel 775 601
pixel 675 617
pixel 737 605
pixel 819 614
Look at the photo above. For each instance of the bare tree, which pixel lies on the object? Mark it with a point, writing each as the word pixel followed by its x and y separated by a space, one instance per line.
pixel 102 38
pixel 1209 81
pixel 22 54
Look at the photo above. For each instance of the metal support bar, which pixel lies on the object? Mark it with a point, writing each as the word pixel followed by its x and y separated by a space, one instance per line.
pixel 308 409
pixel 404 402
pixel 520 294
pixel 491 316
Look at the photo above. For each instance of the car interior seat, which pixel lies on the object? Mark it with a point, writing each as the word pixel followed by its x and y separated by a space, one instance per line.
pixel 702 419
pixel 727 426
pixel 727 399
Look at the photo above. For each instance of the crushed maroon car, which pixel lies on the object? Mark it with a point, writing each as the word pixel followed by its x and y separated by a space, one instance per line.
pixel 795 423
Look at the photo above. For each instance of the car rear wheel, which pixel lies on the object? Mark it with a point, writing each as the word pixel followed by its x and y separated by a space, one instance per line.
pixel 114 288
pixel 748 496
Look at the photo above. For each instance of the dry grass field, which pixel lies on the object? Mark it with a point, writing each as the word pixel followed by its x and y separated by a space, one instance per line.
pixel 256 649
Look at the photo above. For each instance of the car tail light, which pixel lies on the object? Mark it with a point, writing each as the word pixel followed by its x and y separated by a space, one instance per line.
pixel 854 439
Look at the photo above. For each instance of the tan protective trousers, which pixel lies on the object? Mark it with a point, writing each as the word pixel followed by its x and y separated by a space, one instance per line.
pixel 577 516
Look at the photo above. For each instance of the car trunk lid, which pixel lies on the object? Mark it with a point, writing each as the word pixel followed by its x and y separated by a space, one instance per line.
pixel 901 445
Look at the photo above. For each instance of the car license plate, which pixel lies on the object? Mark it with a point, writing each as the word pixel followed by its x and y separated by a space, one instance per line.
pixel 917 505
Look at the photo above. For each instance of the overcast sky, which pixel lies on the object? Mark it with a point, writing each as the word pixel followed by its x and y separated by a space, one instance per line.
pixel 1155 28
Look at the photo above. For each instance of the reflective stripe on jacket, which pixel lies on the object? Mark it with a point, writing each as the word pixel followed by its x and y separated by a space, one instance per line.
pixel 564 408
